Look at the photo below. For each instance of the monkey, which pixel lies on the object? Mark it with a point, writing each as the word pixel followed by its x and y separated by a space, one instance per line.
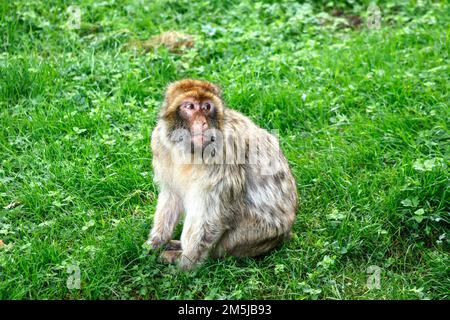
pixel 224 174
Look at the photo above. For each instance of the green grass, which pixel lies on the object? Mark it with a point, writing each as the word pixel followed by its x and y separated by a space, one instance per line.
pixel 362 116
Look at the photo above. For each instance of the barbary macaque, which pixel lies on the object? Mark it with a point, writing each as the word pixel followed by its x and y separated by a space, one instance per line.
pixel 226 175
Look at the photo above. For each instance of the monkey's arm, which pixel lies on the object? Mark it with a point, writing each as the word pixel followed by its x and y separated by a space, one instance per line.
pixel 201 231
pixel 168 211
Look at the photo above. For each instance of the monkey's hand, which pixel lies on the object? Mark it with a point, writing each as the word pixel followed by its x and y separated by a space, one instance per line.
pixel 155 242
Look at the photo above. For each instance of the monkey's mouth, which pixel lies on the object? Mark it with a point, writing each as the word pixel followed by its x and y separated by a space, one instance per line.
pixel 200 141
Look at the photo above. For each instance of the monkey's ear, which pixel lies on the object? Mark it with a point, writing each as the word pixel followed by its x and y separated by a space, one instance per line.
pixel 215 89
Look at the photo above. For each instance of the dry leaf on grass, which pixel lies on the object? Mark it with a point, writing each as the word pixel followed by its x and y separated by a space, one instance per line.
pixel 352 21
pixel 2 244
pixel 174 41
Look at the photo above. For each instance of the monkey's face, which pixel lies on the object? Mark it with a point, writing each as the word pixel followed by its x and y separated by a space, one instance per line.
pixel 199 118
pixel 193 113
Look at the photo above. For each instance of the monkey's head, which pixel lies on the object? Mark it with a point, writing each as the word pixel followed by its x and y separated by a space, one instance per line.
pixel 196 107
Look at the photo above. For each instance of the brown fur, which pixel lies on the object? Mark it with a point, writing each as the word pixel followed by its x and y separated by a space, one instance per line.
pixel 199 90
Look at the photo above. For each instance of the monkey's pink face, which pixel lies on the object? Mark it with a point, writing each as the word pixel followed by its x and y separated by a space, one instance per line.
pixel 198 117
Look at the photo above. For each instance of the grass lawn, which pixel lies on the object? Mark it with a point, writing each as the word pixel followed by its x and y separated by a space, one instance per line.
pixel 362 114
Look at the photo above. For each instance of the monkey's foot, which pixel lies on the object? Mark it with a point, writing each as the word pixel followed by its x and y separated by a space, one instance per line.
pixel 173 245
pixel 170 256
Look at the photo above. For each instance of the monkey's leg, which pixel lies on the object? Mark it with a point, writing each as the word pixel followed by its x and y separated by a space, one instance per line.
pixel 247 241
pixel 168 211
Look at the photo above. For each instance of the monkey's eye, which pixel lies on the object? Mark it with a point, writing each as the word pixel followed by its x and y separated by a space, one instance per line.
pixel 207 106
pixel 189 106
